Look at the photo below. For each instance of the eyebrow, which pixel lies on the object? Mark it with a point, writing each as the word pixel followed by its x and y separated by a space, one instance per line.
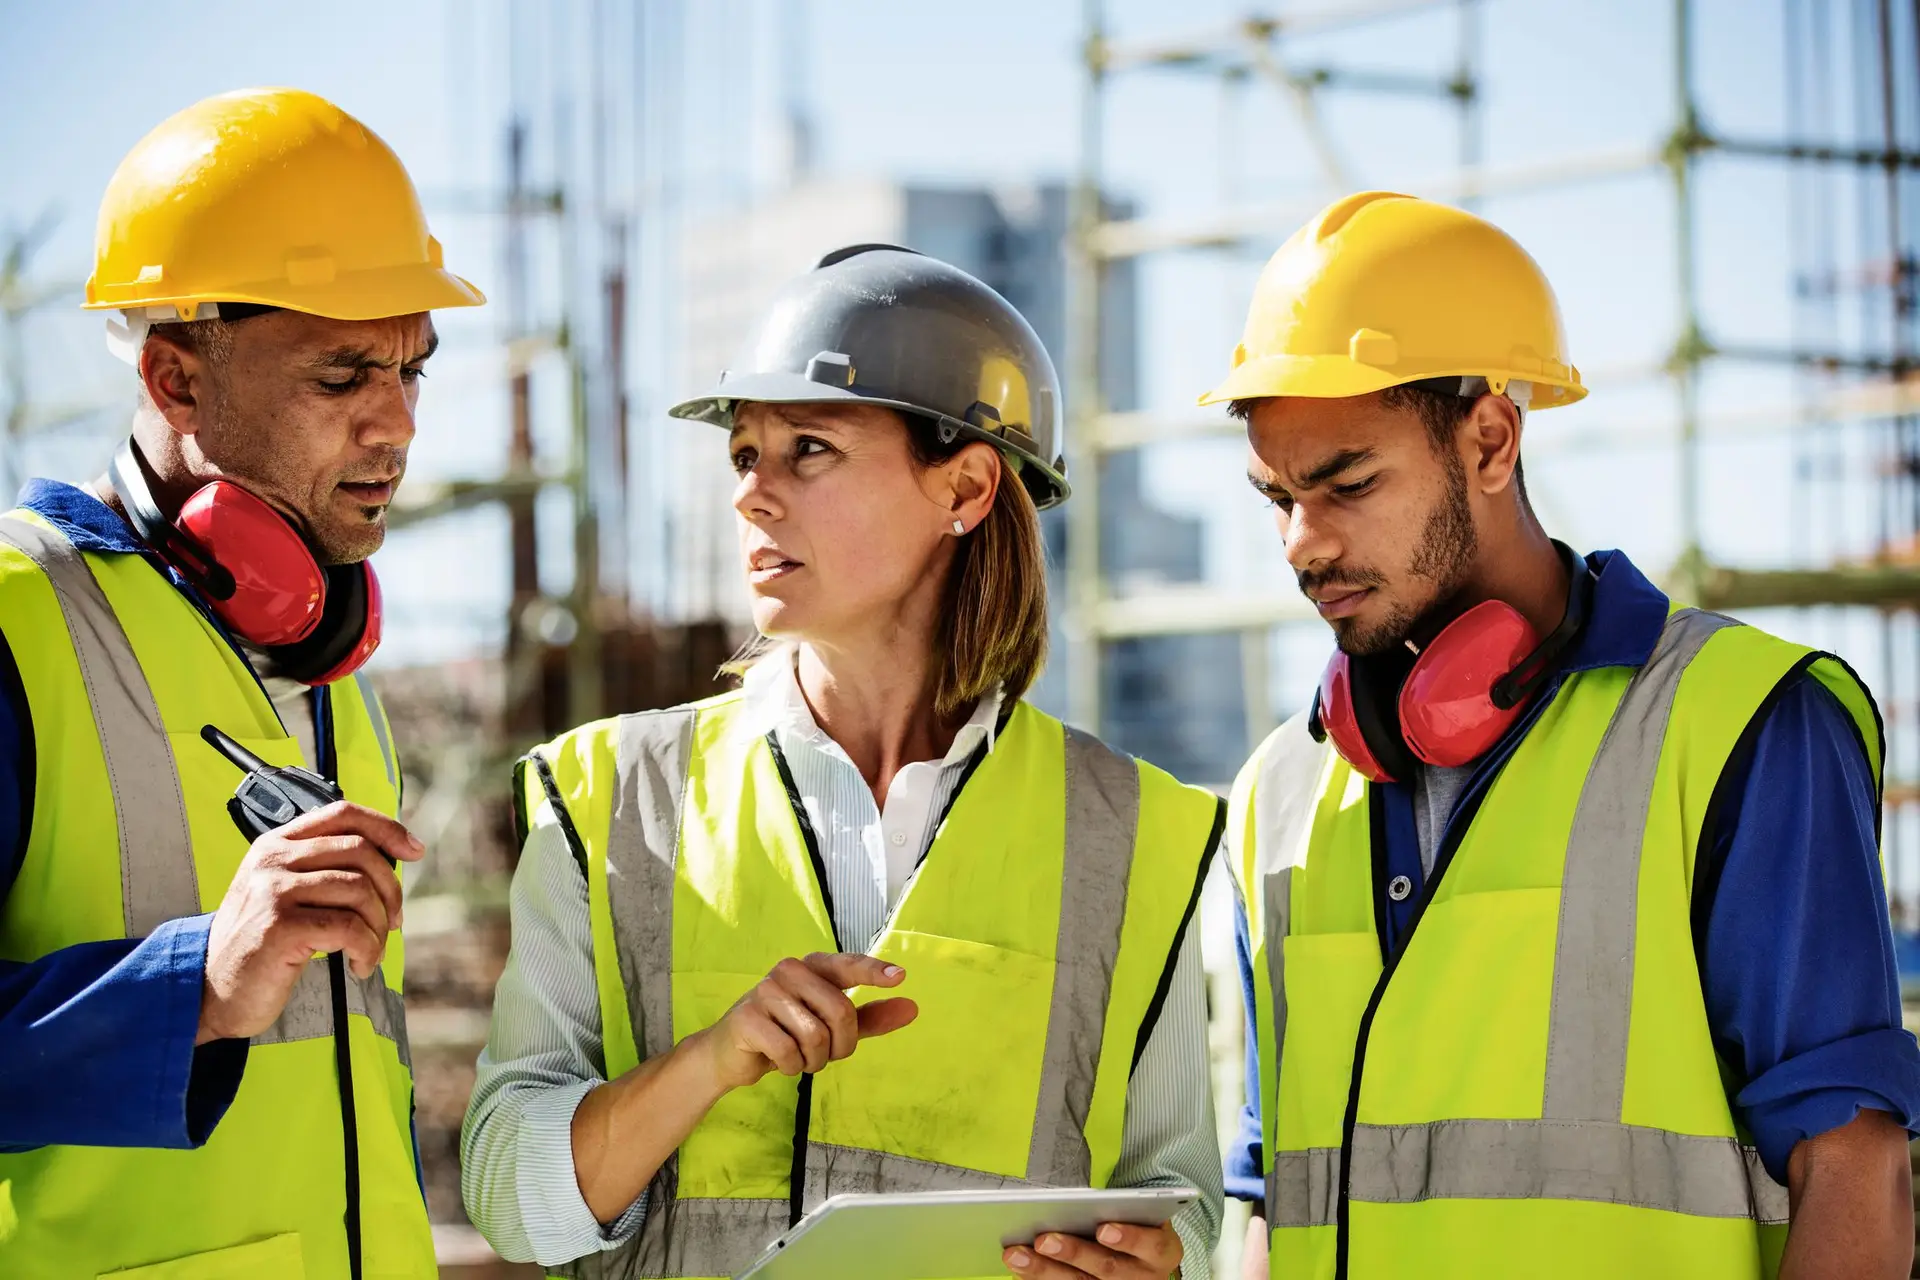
pixel 357 358
pixel 1333 466
pixel 1313 479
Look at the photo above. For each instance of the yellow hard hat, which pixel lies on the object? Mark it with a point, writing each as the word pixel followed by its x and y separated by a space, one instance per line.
pixel 273 197
pixel 1381 289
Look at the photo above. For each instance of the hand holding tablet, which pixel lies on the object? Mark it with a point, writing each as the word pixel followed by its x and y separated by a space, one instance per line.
pixel 950 1235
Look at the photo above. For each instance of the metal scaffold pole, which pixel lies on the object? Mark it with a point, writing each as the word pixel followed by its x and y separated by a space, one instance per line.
pixel 1083 571
pixel 1689 347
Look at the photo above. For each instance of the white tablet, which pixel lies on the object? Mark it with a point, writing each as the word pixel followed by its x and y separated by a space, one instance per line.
pixel 944 1234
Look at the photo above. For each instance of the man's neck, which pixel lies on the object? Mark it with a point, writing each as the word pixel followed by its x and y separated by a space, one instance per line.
pixel 1526 571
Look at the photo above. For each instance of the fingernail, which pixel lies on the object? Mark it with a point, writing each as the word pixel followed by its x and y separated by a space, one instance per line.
pixel 1109 1234
pixel 1021 1259
pixel 415 841
pixel 894 971
pixel 1048 1244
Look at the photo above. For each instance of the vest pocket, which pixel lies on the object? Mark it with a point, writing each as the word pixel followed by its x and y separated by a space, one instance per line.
pixel 1329 977
pixel 959 1084
pixel 277 1256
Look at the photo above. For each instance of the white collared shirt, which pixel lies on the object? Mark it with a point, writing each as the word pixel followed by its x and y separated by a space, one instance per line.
pixel 544 1049
pixel 869 849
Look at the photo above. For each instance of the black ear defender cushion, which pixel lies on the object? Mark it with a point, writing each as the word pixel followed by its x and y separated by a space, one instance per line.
pixel 342 622
pixel 1376 681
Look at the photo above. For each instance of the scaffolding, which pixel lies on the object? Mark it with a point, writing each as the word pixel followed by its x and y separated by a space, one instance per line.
pixel 1855 418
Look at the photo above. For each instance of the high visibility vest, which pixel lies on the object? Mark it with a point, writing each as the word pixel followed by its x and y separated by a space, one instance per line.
pixel 130 829
pixel 1531 1087
pixel 1038 937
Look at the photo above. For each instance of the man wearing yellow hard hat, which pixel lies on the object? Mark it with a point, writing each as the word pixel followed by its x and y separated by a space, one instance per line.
pixel 203 1054
pixel 1563 929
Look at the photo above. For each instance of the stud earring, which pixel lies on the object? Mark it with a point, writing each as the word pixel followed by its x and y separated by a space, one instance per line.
pixel 958 527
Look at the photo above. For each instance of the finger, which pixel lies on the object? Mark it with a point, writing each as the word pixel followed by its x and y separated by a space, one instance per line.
pixel 797 1020
pixel 321 929
pixel 884 1016
pixel 1157 1246
pixel 1084 1257
pixel 846 970
pixel 762 1035
pixel 350 853
pixel 343 817
pixel 828 1003
pixel 339 891
pixel 1022 1260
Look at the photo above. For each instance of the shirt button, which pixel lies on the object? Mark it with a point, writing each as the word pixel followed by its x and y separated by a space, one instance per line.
pixel 899 838
pixel 1400 888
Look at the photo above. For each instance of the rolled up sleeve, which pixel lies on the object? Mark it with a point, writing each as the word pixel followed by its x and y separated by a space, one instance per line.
pixel 1798 971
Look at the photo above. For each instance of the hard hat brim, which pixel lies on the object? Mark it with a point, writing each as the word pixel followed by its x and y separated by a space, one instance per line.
pixel 1336 377
pixel 781 387
pixel 353 295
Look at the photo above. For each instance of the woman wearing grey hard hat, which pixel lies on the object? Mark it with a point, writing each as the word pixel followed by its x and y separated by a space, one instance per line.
pixel 872 923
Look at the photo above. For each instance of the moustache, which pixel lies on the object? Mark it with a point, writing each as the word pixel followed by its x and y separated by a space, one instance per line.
pixel 388 463
pixel 1357 579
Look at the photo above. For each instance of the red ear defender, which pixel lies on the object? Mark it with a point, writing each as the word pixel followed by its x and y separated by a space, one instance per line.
pixel 1449 712
pixel 279 591
pixel 256 572
pixel 1452 702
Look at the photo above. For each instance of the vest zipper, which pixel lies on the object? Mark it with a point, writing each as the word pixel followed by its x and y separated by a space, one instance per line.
pixel 1449 843
pixel 329 752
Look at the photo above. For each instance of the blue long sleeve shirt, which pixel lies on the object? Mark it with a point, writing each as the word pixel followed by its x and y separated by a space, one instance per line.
pixel 97 1040
pixel 1797 963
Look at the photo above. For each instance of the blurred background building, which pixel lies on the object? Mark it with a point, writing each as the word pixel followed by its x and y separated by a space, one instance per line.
pixel 1726 194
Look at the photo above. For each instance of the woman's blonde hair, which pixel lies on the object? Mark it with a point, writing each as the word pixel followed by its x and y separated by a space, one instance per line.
pixel 993 622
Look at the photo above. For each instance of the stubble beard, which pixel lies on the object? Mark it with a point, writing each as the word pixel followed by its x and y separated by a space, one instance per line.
pixel 1444 556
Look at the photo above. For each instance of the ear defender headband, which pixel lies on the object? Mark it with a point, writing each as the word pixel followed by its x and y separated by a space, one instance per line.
pixel 317 623
pixel 1447 704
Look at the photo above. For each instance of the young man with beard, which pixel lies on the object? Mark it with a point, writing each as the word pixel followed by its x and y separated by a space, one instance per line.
pixel 1563 928
pixel 186 1089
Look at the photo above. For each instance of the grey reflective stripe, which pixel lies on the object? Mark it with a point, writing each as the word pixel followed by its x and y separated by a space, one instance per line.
pixel 1277 892
pixel 157 878
pixel 308 1014
pixel 1285 790
pixel 1530 1160
pixel 1600 885
pixel 651 758
pixel 379 720
pixel 836 1170
pixel 1102 818
pixel 697 1236
pixel 1303 1188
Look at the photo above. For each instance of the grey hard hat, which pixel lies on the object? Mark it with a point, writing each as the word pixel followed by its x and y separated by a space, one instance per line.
pixel 890 326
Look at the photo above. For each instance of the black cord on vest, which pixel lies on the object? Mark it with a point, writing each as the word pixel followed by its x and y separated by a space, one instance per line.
pixel 327 750
pixel 803 1104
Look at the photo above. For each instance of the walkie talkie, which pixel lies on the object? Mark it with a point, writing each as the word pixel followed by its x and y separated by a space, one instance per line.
pixel 270 796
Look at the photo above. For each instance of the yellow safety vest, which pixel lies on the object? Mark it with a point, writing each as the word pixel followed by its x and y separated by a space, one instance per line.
pixel 130 829
pixel 1038 936
pixel 1537 1090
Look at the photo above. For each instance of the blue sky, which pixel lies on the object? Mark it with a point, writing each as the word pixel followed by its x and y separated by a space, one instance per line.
pixel 987 91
